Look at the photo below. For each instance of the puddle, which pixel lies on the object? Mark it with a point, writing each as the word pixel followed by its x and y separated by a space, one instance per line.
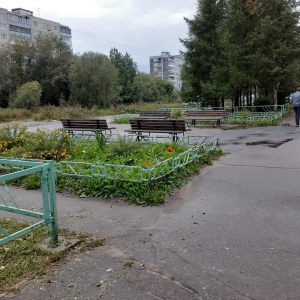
pixel 269 143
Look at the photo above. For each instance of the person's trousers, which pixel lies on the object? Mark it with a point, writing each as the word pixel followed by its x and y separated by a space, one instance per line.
pixel 297 114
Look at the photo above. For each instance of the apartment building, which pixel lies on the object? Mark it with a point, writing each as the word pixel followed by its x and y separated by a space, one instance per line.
pixel 21 24
pixel 168 67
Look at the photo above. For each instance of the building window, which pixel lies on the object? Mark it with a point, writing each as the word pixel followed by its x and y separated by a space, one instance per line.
pixel 35 23
pixel 2 26
pixel 49 27
pixel 19 19
pixel 3 36
pixel 65 30
pixel 43 26
pixel 3 16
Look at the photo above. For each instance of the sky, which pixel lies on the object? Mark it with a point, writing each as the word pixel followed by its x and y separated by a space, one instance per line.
pixel 142 28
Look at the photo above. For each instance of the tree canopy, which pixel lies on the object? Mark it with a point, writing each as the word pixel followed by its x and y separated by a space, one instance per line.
pixel 88 79
pixel 240 46
pixel 93 80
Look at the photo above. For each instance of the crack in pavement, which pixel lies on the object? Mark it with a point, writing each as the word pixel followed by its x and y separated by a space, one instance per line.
pixel 229 286
pixel 182 285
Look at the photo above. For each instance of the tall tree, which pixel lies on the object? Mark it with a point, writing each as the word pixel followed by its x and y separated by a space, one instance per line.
pixel 202 45
pixel 93 80
pixel 231 75
pixel 50 66
pixel 275 43
pixel 127 71
pixel 15 68
pixel 6 84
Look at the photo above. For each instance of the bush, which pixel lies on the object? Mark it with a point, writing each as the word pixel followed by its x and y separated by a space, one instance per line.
pixel 12 135
pixel 45 145
pixel 27 96
pixel 176 113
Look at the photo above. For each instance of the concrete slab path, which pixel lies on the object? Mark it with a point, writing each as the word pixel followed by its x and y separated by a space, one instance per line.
pixel 231 233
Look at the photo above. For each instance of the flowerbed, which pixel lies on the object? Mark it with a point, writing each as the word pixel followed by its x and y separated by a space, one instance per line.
pixel 140 174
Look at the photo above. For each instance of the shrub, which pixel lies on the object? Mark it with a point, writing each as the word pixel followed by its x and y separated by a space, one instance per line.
pixel 176 113
pixel 44 145
pixel 27 96
pixel 12 135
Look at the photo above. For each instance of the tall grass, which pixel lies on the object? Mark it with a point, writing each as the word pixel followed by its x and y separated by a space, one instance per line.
pixel 72 112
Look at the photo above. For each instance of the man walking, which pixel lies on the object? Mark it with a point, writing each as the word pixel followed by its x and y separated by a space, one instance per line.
pixel 295 100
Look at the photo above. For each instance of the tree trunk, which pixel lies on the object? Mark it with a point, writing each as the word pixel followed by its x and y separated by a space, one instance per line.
pixel 275 93
pixel 236 97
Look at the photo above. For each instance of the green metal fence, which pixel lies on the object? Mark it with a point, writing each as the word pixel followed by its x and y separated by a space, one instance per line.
pixel 12 169
pixel 202 146
pixel 247 113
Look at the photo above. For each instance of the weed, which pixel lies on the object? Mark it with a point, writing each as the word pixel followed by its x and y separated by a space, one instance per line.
pixel 24 258
pixel 123 145
pixel 101 140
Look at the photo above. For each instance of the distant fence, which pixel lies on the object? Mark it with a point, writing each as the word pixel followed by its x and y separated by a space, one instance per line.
pixel 248 113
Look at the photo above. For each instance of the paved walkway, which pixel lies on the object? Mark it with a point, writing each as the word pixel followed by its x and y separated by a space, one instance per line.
pixel 231 233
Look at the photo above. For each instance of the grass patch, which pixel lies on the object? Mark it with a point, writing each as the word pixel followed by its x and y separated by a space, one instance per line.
pixel 24 259
pixel 50 112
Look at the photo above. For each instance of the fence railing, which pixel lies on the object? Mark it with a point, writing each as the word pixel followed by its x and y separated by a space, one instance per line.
pixel 12 169
pixel 202 146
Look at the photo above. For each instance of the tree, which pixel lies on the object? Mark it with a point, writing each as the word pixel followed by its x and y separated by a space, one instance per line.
pixel 14 68
pixel 151 89
pixel 27 96
pixel 248 44
pixel 275 44
pixel 6 84
pixel 50 66
pixel 127 71
pixel 93 80
pixel 231 75
pixel 202 46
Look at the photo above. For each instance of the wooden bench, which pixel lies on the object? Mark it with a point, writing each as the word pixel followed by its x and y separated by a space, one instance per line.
pixel 172 127
pixel 205 115
pixel 154 114
pixel 86 125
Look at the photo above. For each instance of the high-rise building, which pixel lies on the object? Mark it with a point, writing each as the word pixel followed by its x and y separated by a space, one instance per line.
pixel 21 24
pixel 168 67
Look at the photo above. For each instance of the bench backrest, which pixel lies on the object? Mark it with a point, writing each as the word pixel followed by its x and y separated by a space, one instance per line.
pixel 156 113
pixel 85 123
pixel 199 113
pixel 155 124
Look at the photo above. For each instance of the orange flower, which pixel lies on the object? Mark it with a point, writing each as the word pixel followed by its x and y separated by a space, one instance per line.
pixel 148 164
pixel 170 149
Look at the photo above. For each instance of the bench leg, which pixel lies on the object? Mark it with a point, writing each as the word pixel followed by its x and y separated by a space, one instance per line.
pixel 174 137
pixel 108 134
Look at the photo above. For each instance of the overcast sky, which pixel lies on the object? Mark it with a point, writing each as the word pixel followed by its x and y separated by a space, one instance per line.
pixel 142 28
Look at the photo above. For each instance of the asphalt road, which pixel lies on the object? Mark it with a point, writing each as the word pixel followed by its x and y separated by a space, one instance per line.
pixel 231 233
